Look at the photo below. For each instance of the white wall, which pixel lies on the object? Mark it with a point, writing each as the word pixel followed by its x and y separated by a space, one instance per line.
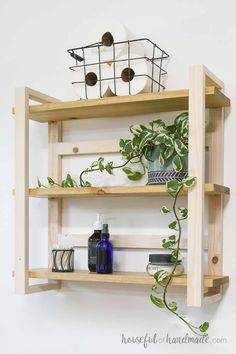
pixel 88 318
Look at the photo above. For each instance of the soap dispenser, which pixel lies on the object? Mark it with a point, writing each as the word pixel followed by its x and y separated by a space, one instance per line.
pixel 104 253
pixel 92 244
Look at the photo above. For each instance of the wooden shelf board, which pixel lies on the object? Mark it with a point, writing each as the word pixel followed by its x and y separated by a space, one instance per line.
pixel 158 190
pixel 120 277
pixel 115 106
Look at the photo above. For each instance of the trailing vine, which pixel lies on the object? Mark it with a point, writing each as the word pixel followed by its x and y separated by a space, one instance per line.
pixel 172 243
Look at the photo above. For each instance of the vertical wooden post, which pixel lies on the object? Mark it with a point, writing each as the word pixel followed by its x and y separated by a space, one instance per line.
pixel 54 171
pixel 22 97
pixel 21 190
pixel 196 195
pixel 215 203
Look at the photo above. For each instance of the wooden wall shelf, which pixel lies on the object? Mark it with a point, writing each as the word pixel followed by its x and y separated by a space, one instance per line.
pixel 205 91
pixel 120 278
pixel 138 191
pixel 145 103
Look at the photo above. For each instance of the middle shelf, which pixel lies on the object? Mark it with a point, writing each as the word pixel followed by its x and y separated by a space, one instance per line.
pixel 212 189
pixel 210 281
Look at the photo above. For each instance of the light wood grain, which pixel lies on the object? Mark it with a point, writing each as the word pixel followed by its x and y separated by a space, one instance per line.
pixel 144 103
pixel 120 277
pixel 138 191
pixel 212 79
pixel 21 190
pixel 51 285
pixel 196 167
pixel 88 147
pixel 216 203
pixel 41 97
pixel 55 171
pixel 122 241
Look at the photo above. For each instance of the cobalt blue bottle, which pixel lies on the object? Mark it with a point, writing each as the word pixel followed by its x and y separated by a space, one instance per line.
pixel 104 253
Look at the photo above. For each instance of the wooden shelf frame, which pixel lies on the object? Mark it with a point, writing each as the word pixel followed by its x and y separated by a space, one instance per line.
pixel 135 191
pixel 120 278
pixel 122 106
pixel 205 90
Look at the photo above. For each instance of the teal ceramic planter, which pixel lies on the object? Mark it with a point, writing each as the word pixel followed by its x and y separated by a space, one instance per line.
pixel 158 174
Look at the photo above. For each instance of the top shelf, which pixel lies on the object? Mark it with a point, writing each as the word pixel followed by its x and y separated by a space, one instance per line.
pixel 144 103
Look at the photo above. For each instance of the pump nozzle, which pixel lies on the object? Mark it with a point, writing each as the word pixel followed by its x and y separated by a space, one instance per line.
pixel 98 223
pixel 105 229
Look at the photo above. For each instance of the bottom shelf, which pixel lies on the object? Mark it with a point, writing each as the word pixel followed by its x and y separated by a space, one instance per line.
pixel 120 277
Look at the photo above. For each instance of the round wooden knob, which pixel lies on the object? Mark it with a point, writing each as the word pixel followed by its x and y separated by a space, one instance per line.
pixel 75 150
pixel 215 260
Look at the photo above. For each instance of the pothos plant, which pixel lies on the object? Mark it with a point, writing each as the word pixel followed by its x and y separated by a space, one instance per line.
pixel 172 141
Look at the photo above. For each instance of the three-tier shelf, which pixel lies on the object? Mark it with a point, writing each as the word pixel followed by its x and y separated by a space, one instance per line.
pixel 205 92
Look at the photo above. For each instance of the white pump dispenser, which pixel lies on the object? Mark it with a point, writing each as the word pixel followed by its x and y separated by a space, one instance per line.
pixel 98 223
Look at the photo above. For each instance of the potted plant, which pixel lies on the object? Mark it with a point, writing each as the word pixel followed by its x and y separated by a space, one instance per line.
pixel 159 148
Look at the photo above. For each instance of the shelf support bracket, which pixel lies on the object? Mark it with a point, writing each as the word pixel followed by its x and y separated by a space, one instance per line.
pixel 200 76
pixel 22 97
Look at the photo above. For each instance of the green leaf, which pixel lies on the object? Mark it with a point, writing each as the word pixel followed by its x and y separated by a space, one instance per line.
pixel 100 164
pixel 159 139
pixel 180 118
pixel 171 129
pixel 88 184
pixel 161 159
pixel 131 174
pixel 173 186
pixel 109 167
pixel 69 181
pixel 157 301
pixel 204 327
pixel 93 164
pixel 135 129
pixel 128 146
pixel 165 210
pixel 183 212
pixel 175 256
pixel 173 225
pixel 158 124
pixel 168 244
pixel 172 237
pixel 63 184
pixel 128 170
pixel 173 306
pixel 146 139
pixel 121 143
pixel 161 275
pixel 168 141
pixel 189 182
pixel 184 129
pixel 180 147
pixel 177 163
pixel 136 176
pixel 168 152
pixel 136 140
pixel 144 128
pixel 50 181
pixel 39 183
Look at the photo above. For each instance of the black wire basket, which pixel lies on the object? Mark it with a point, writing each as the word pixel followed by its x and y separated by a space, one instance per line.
pixel 156 59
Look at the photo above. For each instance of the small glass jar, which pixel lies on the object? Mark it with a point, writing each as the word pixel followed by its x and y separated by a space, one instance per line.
pixel 162 262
